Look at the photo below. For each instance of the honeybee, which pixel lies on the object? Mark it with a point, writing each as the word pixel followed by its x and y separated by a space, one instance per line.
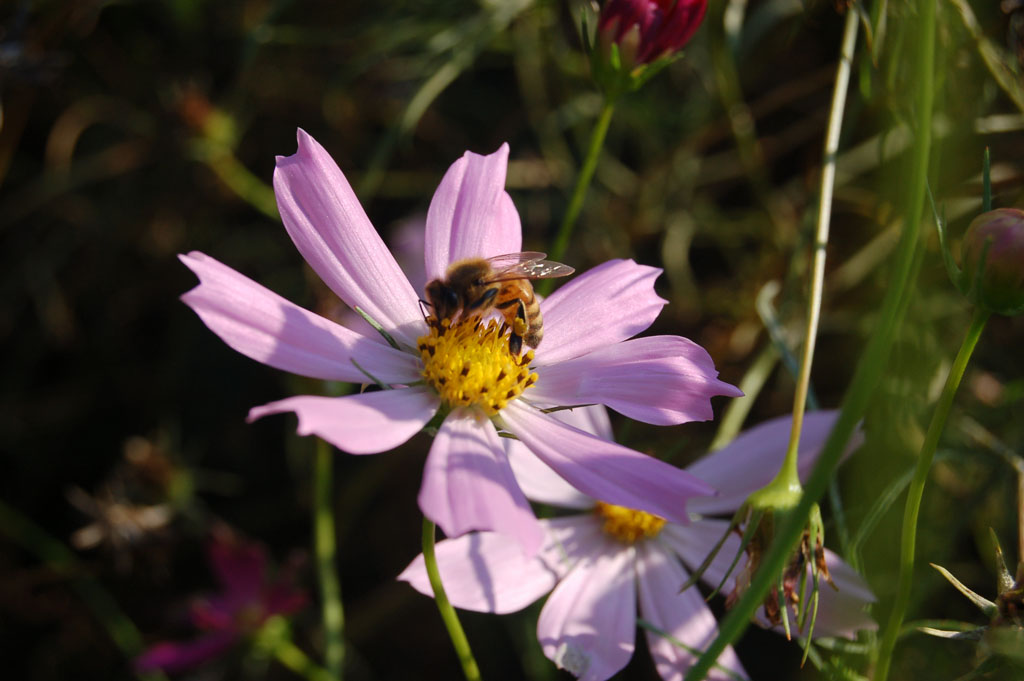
pixel 476 285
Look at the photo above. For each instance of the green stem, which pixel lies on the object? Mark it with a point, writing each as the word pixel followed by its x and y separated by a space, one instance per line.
pixel 275 637
pixel 869 368
pixel 788 473
pixel 579 192
pixel 451 620
pixel 879 14
pixel 326 553
pixel 924 461
pixel 292 657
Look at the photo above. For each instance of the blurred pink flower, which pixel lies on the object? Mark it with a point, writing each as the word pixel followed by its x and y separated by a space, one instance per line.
pixel 650 28
pixel 248 597
pixel 605 565
pixel 586 356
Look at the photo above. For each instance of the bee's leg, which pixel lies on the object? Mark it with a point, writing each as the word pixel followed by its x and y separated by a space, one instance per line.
pixel 515 343
pixel 519 326
pixel 483 300
pixel 424 305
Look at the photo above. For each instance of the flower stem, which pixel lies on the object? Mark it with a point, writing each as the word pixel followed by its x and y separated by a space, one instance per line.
pixel 275 638
pixel 788 472
pixel 924 461
pixel 451 620
pixel 326 552
pixel 292 657
pixel 579 192
pixel 870 366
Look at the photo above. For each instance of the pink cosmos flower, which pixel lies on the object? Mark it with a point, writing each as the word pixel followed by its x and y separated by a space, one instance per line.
pixel 247 599
pixel 472 379
pixel 609 565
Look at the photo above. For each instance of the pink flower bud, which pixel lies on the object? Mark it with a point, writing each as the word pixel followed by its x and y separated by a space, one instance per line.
pixel 998 235
pixel 649 28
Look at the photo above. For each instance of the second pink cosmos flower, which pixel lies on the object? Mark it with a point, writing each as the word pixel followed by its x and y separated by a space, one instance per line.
pixel 586 357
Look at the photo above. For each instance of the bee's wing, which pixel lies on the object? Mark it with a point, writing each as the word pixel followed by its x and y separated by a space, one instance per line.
pixel 525 265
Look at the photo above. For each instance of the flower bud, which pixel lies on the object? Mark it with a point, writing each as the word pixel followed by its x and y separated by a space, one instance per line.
pixel 649 29
pixel 993 261
pixel 637 38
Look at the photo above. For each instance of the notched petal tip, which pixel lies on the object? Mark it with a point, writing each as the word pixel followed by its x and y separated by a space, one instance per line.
pixel 366 423
pixel 306 145
pixel 502 152
pixel 193 260
pixel 499 155
pixel 306 142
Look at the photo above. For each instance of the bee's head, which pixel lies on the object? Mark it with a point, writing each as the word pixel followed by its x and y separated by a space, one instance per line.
pixel 442 298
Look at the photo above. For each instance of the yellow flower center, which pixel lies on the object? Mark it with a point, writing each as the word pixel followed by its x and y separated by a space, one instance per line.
pixel 626 524
pixel 469 363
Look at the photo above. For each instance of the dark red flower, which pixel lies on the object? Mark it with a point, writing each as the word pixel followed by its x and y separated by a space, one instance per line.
pixel 650 28
pixel 248 597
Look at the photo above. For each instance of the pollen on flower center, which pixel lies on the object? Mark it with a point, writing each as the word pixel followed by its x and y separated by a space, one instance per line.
pixel 469 363
pixel 628 525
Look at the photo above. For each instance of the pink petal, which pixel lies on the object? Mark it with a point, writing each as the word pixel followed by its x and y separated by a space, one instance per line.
pixel 575 538
pixel 541 484
pixel 847 579
pixel 485 572
pixel 264 326
pixel 605 470
pixel 505 234
pixel 468 483
pixel 470 215
pixel 592 419
pixel 840 612
pixel 843 612
pixel 605 305
pixel 684 616
pixel 664 380
pixel 537 480
pixel 751 460
pixel 176 657
pixel 693 542
pixel 331 231
pixel 588 625
pixel 359 424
